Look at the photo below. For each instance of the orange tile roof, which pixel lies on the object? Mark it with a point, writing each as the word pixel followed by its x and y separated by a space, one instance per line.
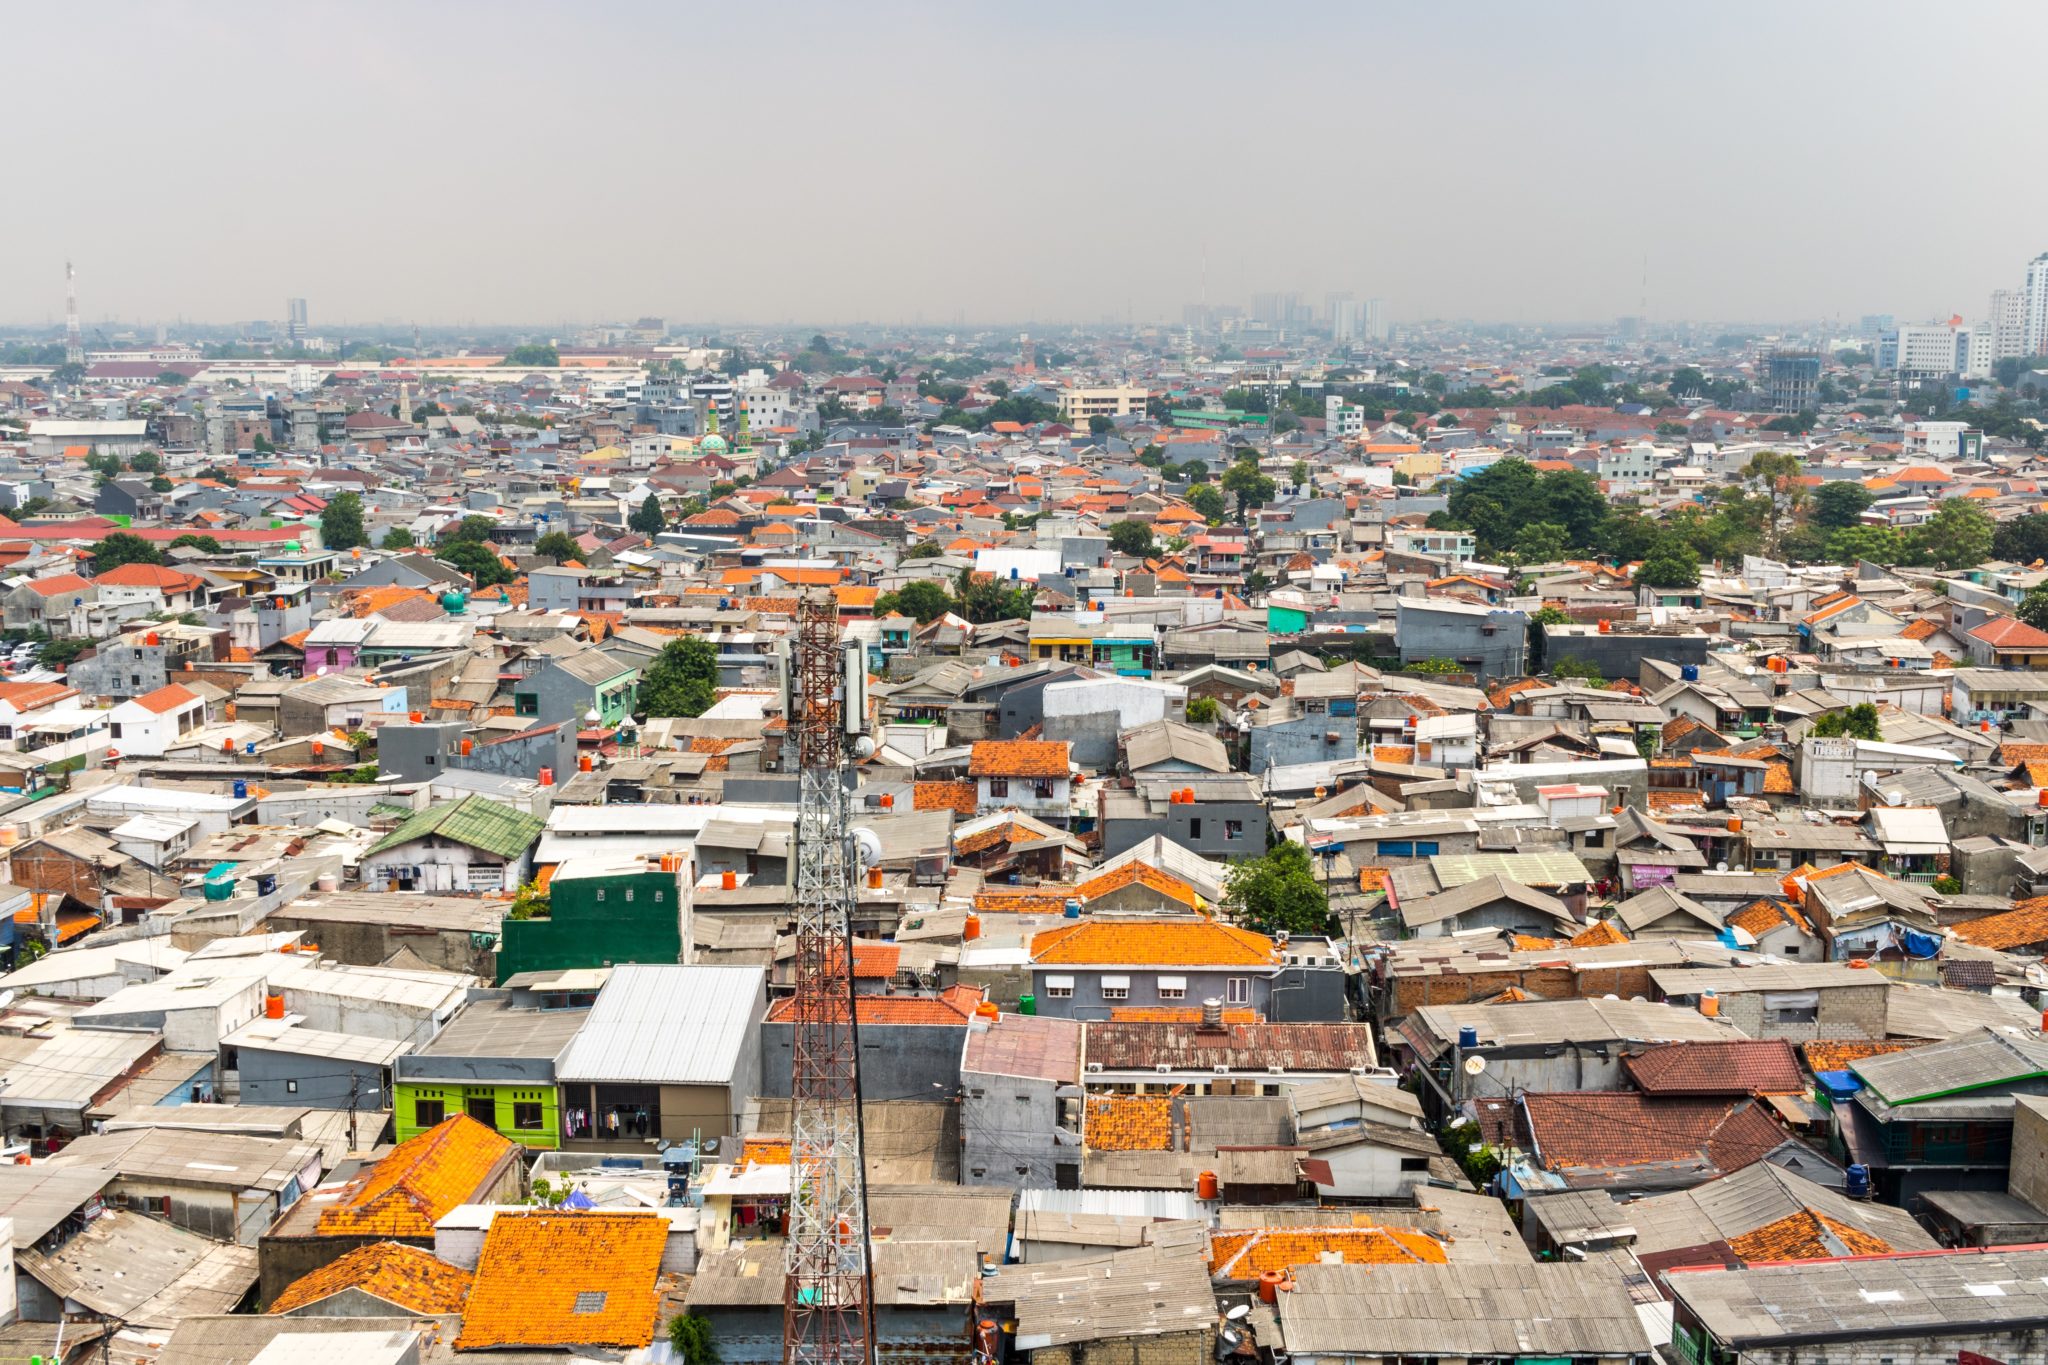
pixel 1824 1055
pixel 1143 874
pixel 2025 923
pixel 1018 758
pixel 1599 935
pixel 169 697
pixel 765 1151
pixel 552 1280
pixel 1035 902
pixel 1525 943
pixel 1129 1123
pixel 370 601
pixel 415 1186
pixel 2012 755
pixel 410 1277
pixel 1198 943
pixel 1760 917
pixel 956 796
pixel 1174 1014
pixel 1246 1253
pixel 1807 1235
pixel 1372 879
pixel 25 696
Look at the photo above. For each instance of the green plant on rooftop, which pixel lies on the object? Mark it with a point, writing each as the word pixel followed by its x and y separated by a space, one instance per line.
pixel 1432 666
pixel 531 902
pixel 689 1336
pixel 1203 711
pixel 397 538
pixel 123 547
pixel 1574 669
pixel 1853 722
pixel 683 679
pixel 1131 538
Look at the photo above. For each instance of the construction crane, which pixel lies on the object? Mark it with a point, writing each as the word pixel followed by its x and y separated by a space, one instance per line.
pixel 74 338
pixel 828 1288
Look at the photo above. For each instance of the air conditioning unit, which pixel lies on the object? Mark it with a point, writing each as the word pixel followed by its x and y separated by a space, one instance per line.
pixel 1276 1071
pixel 1220 1070
pixel 1162 1068
pixel 1095 1068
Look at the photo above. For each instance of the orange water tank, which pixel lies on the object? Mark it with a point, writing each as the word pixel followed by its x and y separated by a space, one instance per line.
pixel 1735 824
pixel 972 929
pixel 273 1007
pixel 417 718
pixel 547 777
pixel 1206 1186
pixel 875 878
pixel 583 763
pixel 1606 625
pixel 888 802
pixel 728 881
pixel 319 747
pixel 468 745
pixel 1269 1285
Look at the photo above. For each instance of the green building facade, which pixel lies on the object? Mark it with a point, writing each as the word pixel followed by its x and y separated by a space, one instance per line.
pixel 527 1114
pixel 601 912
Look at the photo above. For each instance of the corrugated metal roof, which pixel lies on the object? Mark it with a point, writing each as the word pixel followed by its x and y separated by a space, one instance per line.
pixel 477 821
pixel 667 1024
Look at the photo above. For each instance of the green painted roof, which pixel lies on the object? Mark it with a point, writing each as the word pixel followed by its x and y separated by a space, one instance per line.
pixel 474 820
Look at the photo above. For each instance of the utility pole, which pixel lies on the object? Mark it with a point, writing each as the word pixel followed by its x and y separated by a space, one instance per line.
pixel 355 1093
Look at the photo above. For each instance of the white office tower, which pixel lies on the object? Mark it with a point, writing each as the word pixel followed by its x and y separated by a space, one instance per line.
pixel 2034 324
pixel 2007 322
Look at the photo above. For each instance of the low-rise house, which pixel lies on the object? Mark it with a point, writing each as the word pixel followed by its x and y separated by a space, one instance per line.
pixel 474 844
pixel 551 1280
pixel 494 1062
pixel 1013 1124
pixel 1490 902
pixel 241 1186
pixel 383 1279
pixel 1940 1116
pixel 601 911
pixel 1153 1303
pixel 150 725
pixel 1620 1140
pixel 1030 775
pixel 925 1294
pixel 1091 969
pixel 1381 1314
pixel 1824 1000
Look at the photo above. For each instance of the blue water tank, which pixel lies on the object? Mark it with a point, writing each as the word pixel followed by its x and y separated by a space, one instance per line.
pixel 1689 672
pixel 250 748
pixel 266 883
pixel 241 789
pixel 1013 574
pixel 1468 1036
pixel 1072 910
pixel 1859 1182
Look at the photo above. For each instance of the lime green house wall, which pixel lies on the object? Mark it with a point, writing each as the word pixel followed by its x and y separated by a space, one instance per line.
pixel 598 922
pixel 503 1097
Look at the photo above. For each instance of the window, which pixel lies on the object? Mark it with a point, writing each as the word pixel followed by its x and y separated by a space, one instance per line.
pixel 482 1108
pixel 1425 848
pixel 1059 987
pixel 1173 988
pixel 1233 829
pixel 115 729
pixel 1116 988
pixel 1042 788
pixel 526 703
pixel 426 1113
pixel 526 1114
pixel 291 1087
pixel 999 786
pixel 1237 990
pixel 1195 828
pixel 1415 1163
pixel 629 895
pixel 1396 848
pixel 589 1301
pixel 600 893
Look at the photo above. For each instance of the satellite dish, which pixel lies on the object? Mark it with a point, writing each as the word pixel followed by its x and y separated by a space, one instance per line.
pixel 1474 1064
pixel 867 847
pixel 1239 1313
pixel 863 747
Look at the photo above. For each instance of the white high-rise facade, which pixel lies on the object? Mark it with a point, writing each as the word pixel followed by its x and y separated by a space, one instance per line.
pixel 2007 321
pixel 2034 302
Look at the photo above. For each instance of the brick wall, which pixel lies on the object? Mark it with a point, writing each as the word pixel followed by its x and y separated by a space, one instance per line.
pixel 1174 1348
pixel 2029 1180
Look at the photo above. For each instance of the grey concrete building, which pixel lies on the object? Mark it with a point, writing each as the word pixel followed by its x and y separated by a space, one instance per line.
pixel 282 1062
pixel 1015 1129
pixel 1489 641
pixel 1226 820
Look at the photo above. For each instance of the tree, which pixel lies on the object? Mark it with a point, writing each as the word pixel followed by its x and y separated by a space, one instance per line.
pixel 924 549
pixel 1207 502
pixel 1203 711
pixel 172 379
pixel 1778 474
pixel 689 1336
pixel 1673 429
pixel 1840 504
pixel 648 519
pixel 160 484
pixel 559 546
pixel 1251 488
pixel 683 679
pixel 477 529
pixel 2034 607
pixel 533 356
pixel 1193 471
pixel 1878 544
pixel 1101 426
pixel 1672 564
pixel 61 652
pixel 1551 616
pixel 476 560
pixel 1541 542
pixel 1278 893
pixel 1132 538
pixel 397 538
pixel 206 545
pixel 146 462
pixel 341 523
pixel 984 598
pixel 1584 670
pixel 2021 540
pixel 1853 722
pixel 923 600
pixel 218 475
pixel 1299 473
pixel 1957 536
pixel 120 548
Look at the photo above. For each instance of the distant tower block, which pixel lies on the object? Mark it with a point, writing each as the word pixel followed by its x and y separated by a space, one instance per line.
pixel 295 319
pixel 1027 359
pixel 1792 379
pixel 74 335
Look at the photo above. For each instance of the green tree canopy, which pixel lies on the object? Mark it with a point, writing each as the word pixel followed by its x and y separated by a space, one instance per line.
pixel 476 528
pixel 1278 893
pixel 1671 564
pixel 206 545
pixel 2021 540
pixel 924 549
pixel 923 599
pixel 1855 722
pixel 1840 504
pixel 1207 502
pixel 648 519
pixel 1957 536
pixel 341 523
pixel 683 679
pixel 1244 482
pixel 1131 538
pixel 475 559
pixel 1497 502
pixel 397 538
pixel 1541 542
pixel 121 547
pixel 536 355
pixel 984 599
pixel 559 546
pixel 146 462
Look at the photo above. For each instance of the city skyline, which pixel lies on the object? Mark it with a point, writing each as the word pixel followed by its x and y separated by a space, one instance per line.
pixel 1504 168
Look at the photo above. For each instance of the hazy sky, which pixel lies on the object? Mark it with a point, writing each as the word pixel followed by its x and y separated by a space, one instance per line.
pixel 447 162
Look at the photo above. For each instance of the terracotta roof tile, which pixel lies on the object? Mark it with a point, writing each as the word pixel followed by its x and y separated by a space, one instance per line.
pixel 1129 1123
pixel 959 797
pixel 1596 1137
pixel 1246 1253
pixel 417 1184
pixel 1116 943
pixel 1018 758
pixel 397 1272
pixel 1139 874
pixel 1175 1014
pixel 1031 902
pixel 764 1151
pixel 2026 923
pixel 1599 935
pixel 552 1280
pixel 1825 1055
pixel 1807 1235
pixel 1737 1066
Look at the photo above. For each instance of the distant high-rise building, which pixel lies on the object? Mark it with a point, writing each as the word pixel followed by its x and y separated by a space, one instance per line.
pixel 1374 320
pixel 2006 321
pixel 1346 319
pixel 2034 306
pixel 1791 379
pixel 1924 351
pixel 294 319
